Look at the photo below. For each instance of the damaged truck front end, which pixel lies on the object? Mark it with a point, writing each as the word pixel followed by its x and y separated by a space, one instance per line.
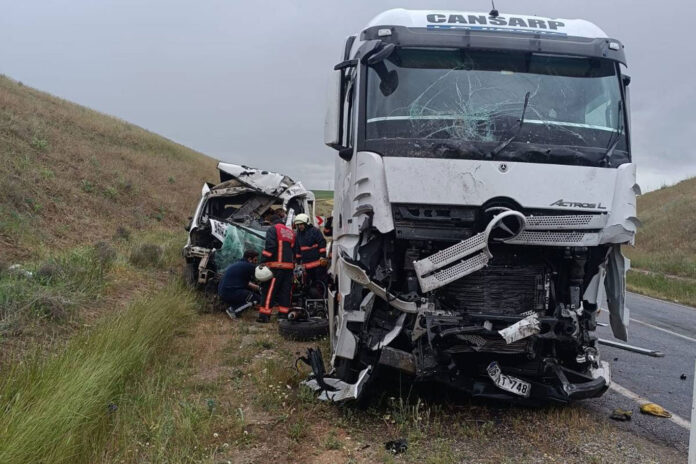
pixel 478 216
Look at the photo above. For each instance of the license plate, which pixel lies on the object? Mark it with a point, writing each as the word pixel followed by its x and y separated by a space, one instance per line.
pixel 507 382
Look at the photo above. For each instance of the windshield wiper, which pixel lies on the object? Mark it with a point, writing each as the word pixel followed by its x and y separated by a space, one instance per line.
pixel 613 143
pixel 505 143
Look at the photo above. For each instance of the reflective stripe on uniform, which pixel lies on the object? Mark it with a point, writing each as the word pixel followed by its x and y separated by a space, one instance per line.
pixel 266 308
pixel 312 265
pixel 279 265
pixel 283 309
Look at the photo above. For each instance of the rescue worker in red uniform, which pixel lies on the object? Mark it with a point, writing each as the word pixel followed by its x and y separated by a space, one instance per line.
pixel 310 250
pixel 278 254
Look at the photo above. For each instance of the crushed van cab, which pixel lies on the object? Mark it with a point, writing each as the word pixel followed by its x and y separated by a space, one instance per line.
pixel 231 217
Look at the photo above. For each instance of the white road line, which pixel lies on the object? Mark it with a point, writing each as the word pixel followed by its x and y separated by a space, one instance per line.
pixel 680 421
pixel 664 330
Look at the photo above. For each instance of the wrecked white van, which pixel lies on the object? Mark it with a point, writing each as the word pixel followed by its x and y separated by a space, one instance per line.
pixel 483 189
pixel 232 213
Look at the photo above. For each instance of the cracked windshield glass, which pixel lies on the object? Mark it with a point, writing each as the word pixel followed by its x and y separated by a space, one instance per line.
pixel 471 102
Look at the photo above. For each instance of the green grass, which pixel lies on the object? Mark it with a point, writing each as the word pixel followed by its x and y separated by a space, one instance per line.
pixel 323 194
pixel 60 409
pixel 59 284
pixel 660 286
pixel 664 242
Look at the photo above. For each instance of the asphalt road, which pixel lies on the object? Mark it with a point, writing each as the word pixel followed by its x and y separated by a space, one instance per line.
pixel 671 329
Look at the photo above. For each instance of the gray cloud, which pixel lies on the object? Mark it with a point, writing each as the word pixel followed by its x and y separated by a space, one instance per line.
pixel 246 81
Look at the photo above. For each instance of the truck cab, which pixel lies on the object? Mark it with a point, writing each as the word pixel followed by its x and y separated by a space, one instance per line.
pixel 484 187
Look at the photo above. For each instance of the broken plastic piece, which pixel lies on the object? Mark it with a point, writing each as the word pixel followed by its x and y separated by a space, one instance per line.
pixel 653 409
pixel 521 329
pixel 342 391
pixel 622 415
pixel 396 446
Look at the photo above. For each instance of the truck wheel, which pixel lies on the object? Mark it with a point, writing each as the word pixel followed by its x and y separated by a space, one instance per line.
pixel 190 274
pixel 310 329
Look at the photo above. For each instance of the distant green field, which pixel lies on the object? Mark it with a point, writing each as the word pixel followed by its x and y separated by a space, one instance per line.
pixel 323 194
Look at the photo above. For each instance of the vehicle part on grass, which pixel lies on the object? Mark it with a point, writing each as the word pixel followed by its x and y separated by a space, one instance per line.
pixel 342 391
pixel 622 415
pixel 396 446
pixel 315 361
pixel 18 270
pixel 477 222
pixel 312 328
pixel 653 409
pixel 634 349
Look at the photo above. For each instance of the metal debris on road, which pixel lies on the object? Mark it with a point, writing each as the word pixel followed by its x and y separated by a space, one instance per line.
pixel 635 349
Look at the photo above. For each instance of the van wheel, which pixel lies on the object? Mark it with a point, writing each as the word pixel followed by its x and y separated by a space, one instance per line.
pixel 309 329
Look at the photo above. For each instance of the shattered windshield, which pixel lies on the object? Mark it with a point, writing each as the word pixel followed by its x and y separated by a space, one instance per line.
pixel 458 103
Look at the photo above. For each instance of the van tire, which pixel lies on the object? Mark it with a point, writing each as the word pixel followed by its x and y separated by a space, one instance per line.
pixel 310 329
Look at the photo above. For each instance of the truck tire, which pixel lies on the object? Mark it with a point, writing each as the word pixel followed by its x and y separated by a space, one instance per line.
pixel 310 329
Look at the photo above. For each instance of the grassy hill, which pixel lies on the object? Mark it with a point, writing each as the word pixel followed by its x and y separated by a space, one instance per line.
pixel 664 258
pixel 665 243
pixel 71 175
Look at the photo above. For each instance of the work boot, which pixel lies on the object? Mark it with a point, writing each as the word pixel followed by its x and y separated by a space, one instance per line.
pixel 230 312
pixel 263 318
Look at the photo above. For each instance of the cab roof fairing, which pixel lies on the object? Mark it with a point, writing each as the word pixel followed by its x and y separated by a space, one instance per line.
pixel 452 29
pixel 421 19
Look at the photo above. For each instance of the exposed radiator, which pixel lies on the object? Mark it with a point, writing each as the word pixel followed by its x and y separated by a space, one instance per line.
pixel 499 290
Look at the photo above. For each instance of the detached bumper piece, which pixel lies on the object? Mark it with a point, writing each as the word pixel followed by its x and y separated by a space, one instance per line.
pixel 330 388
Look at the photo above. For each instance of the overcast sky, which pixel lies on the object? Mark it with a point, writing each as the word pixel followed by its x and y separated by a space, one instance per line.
pixel 245 82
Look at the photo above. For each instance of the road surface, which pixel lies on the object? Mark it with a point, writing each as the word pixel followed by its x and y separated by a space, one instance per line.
pixel 671 329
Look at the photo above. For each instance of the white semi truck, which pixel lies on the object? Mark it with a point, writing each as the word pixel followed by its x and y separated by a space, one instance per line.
pixel 483 189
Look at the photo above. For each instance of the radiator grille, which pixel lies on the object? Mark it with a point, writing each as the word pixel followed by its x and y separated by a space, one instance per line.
pixel 499 290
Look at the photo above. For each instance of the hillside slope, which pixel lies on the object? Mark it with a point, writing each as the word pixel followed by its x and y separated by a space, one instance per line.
pixel 665 242
pixel 70 175
pixel 664 258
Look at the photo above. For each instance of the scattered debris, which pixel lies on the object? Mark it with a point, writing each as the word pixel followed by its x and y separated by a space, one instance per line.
pixel 397 446
pixel 622 415
pixel 683 376
pixel 18 270
pixel 521 329
pixel 653 409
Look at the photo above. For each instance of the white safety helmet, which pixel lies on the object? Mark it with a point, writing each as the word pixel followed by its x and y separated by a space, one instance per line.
pixel 263 273
pixel 301 218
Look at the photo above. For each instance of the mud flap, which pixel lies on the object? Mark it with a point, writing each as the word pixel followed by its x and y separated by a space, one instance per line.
pixel 615 286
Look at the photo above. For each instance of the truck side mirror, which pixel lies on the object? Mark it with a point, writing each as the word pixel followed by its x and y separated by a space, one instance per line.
pixel 332 122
